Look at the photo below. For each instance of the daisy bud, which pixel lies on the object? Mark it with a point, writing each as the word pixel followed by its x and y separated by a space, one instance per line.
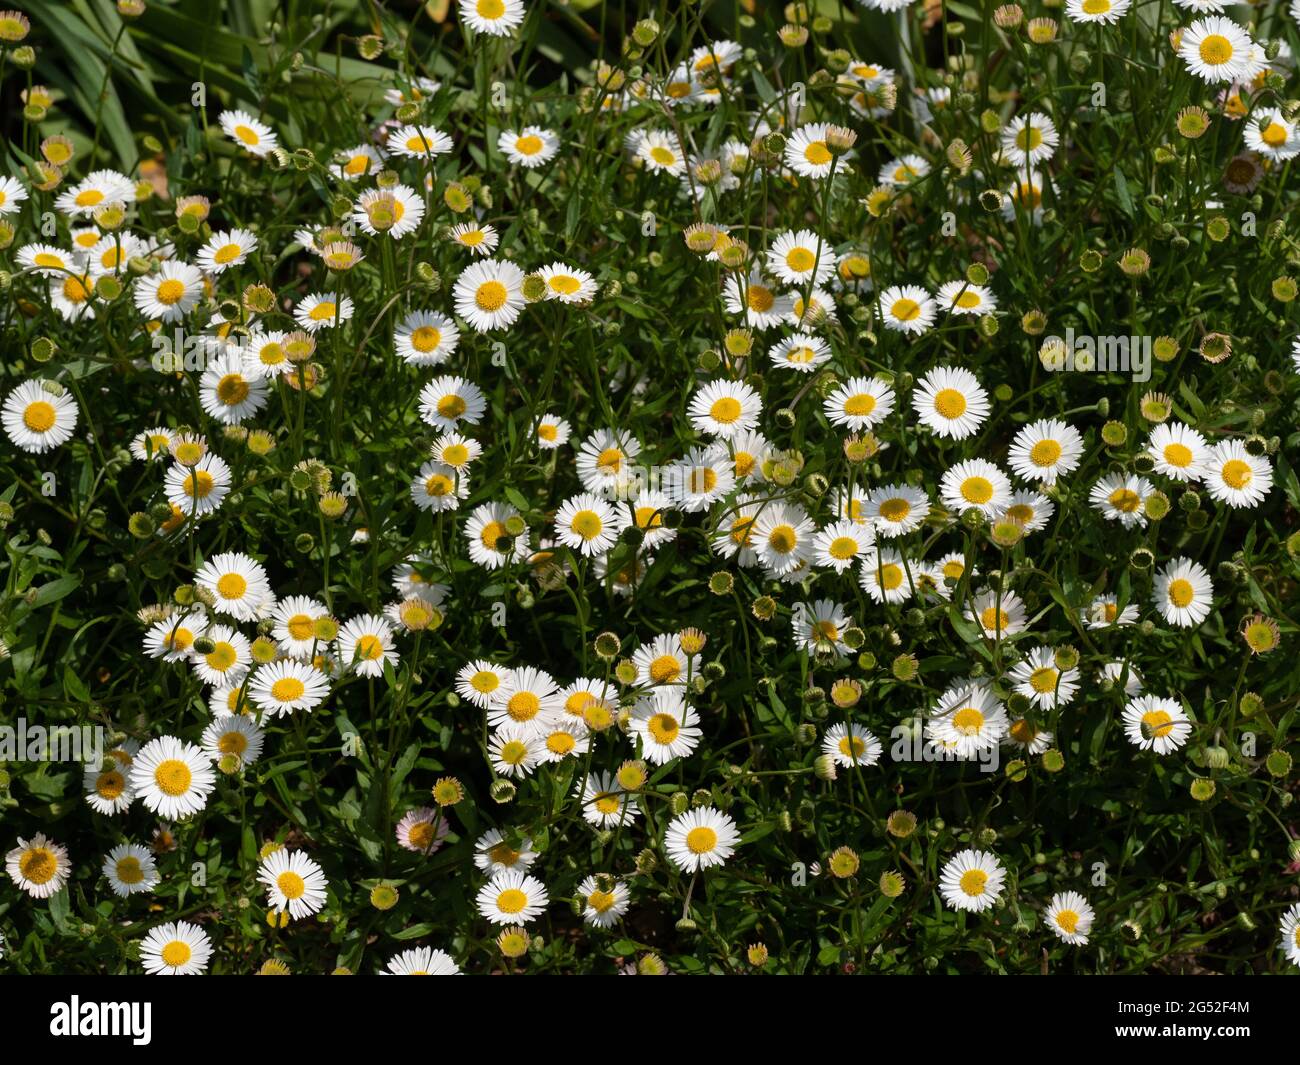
pixel 204 646
pixel 1278 763
pixel 23 58
pixel 1042 30
pixel 1261 634
pixel 1135 262
pixel 905 667
pixel 735 256
pixel 1053 760
pixel 990 121
pixel 502 791
pixel 793 36
pixel 1009 16
pixel 138 266
pixel 1142 558
pixel 840 140
pixel 1215 347
pixel 900 823
pixel 1114 434
pixel 721 582
pixel 1066 658
pixel 843 863
pixel 805 814
pixel 383 896
pixel 1284 289
pixel 1016 771
pixel 892 884
pixel 713 671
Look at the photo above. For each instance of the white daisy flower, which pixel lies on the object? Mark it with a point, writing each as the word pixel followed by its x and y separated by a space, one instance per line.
pixel 526 699
pixel 38 866
pixel 1070 917
pixel 971 880
pixel 975 485
pixel 480 239
pixel 1157 724
pixel 322 310
pixel 39 416
pixel 479 680
pixel 489 294
pixel 233 736
pixel 106 785
pixel 605 461
pixel 551 432
pixel 1028 140
pixel 227 394
pixel 646 512
pixel 851 745
pixel 1183 592
pixel 950 401
pixel 282 687
pixel 227 248
pixel 903 171
pixel 1215 49
pixel 700 839
pixel 841 542
pixel 1291 933
pixel 253 136
pixel 1038 678
pixel 1045 449
pixel 530 147
pixel 661 152
pixel 1122 675
pixel 588 524
pixel 968 719
pixel 760 303
pixel 512 897
pixel 701 478
pixel 1121 497
pixel 494 854
pixel 664 661
pixel 800 352
pixel 1107 12
pixel 172 778
pixel 783 536
pixel 860 403
pixel 418 142
pixel 1104 612
pixel 895 509
pixel 97 189
pixel 293 882
pixel 1178 451
pixel 1234 476
pixel 908 308
pixel 447 402
pixel 819 627
pixel 171 293
pixel 130 869
pixel 12 195
pixel 359 161
pixel 800 258
pixel 605 803
pixel 962 297
pixel 396 210
pixel 366 643
pixel 604 900
pixel 177 948
pixel 422 961
pixel 237 582
pixel 806 152
pixel 228 660
pixel 883 577
pixel 998 615
pixel 496 18
pixel 667 726
pixel 438 487
pixel 198 490
pixel 294 624
pixel 567 284
pixel 486 528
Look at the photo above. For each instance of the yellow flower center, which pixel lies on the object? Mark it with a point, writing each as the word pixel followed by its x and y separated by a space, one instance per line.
pixel 287 689
pixel 703 479
pixel 322 312
pixel 977 490
pixel 950 403
pixel 451 406
pixel 701 840
pixel 860 405
pixel 968 721
pixel 725 410
pixel 528 144
pixel 176 953
pixel 370 648
pixel 853 746
pixel 173 777
pixel 817 153
pixel 231 586
pixel 492 532
pixel 587 524
pixel 1274 135
pixel 485 681
pixel 565 284
pixel 291 885
pixel 247 134
pixel 760 299
pixel 560 742
pixel 171 291
pixel 891 576
pixel 129 871
pixel 1068 921
pixel 662 156
pixel 523 706
pixel 905 310
pixel 1216 50
pixel 227 253
pixel 1179 455
pixel 663 727
pixel 782 539
pixel 221 657
pixel 665 669
pixel 973 882
pixel 995 620
pixel 110 784
pixel 800 260
pixel 1125 500
pixel 439 485
pixel 1237 474
pixel 895 510
pixel 600 901
pixel 89 198
pixel 39 417
pixel 235 743
pixel 511 900
pixel 1181 592
pixel 1157 723
pixel 1043 680
pixel 232 389
pixel 1096 7
pixel 843 547
pixel 426 338
pixel 38 865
